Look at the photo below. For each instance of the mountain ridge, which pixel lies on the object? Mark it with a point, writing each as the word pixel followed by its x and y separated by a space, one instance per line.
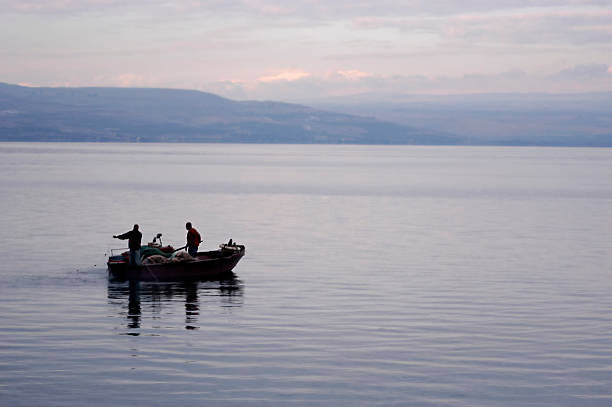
pixel 169 115
pixel 100 114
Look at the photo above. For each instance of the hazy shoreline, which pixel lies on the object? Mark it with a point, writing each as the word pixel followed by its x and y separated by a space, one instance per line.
pixel 185 116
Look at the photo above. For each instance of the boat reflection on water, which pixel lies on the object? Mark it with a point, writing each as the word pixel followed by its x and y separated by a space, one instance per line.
pixel 137 300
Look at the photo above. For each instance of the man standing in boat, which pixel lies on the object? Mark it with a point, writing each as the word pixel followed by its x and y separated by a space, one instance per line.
pixel 135 238
pixel 193 239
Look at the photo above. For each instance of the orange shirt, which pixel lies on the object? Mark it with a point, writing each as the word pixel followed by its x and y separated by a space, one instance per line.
pixel 193 238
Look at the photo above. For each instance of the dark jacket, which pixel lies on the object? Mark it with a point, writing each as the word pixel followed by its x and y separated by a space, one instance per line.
pixel 135 239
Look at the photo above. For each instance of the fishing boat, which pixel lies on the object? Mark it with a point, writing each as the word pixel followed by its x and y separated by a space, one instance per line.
pixel 203 266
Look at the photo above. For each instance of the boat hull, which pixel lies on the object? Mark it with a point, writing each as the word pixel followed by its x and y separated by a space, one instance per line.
pixel 206 266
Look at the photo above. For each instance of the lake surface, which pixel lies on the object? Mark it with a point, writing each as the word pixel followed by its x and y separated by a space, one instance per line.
pixel 374 276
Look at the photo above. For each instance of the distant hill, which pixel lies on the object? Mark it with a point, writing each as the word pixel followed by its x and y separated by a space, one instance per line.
pixel 167 115
pixel 580 119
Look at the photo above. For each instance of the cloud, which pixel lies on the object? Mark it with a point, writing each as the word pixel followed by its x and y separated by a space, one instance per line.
pixel 354 74
pixel 557 24
pixel 56 6
pixel 579 78
pixel 287 76
pixel 237 7
pixel 127 80
pixel 308 9
pixel 343 47
pixel 584 71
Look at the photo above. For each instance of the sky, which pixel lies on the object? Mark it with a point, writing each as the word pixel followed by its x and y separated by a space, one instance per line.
pixel 306 49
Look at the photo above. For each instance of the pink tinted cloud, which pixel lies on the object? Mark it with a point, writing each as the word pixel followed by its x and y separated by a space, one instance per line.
pixel 288 76
pixel 354 74
pixel 127 80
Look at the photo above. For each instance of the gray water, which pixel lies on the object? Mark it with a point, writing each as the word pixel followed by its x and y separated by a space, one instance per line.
pixel 375 276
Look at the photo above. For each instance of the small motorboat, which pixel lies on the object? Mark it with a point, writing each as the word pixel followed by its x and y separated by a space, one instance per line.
pixel 204 266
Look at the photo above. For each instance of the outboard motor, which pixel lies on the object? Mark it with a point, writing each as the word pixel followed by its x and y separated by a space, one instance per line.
pixel 231 245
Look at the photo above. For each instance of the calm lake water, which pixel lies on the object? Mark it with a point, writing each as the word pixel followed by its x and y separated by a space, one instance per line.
pixel 374 276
